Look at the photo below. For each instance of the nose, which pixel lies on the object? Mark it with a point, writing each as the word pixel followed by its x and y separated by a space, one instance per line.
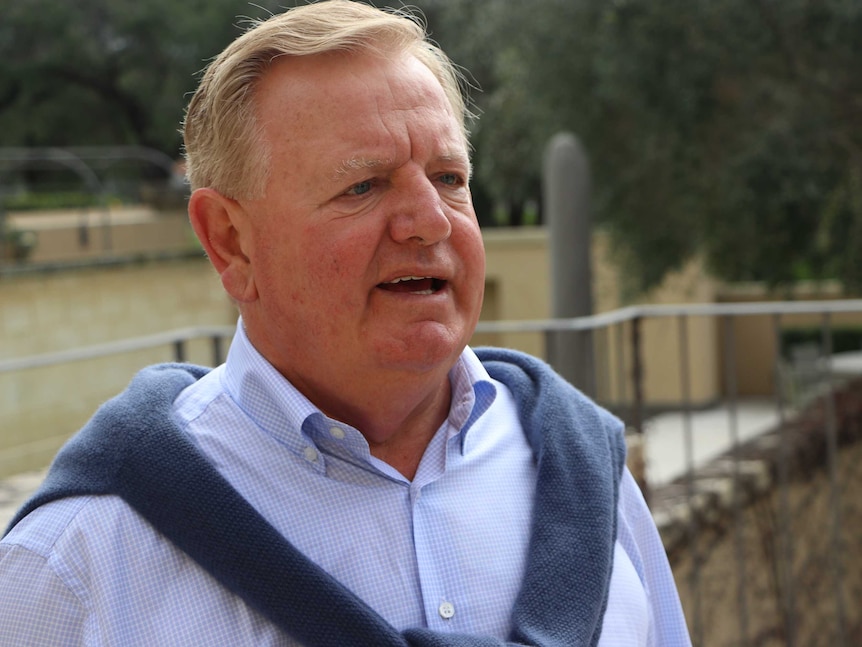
pixel 419 213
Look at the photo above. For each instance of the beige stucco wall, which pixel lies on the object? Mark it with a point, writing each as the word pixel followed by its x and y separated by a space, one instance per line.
pixel 93 233
pixel 661 338
pixel 518 287
pixel 756 345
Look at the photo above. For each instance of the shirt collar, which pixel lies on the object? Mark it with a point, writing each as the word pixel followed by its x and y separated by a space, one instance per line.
pixel 473 392
pixel 277 407
pixel 265 396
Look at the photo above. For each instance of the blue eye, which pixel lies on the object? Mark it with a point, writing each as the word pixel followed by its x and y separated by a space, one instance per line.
pixel 451 179
pixel 359 189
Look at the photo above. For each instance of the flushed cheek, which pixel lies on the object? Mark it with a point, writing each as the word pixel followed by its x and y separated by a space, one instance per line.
pixel 472 253
pixel 333 286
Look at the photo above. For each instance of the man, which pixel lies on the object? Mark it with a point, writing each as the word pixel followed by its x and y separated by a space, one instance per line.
pixel 353 474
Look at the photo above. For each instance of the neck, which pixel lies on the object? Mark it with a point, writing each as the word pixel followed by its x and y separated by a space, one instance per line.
pixel 398 418
pixel 402 444
pixel 397 408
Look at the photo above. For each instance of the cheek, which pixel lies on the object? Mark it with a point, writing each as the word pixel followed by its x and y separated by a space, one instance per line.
pixel 285 275
pixel 335 274
pixel 472 251
pixel 473 254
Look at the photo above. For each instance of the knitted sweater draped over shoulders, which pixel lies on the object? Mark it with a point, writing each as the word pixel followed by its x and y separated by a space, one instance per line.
pixel 131 448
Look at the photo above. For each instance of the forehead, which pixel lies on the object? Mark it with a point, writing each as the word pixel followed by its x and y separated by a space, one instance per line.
pixel 339 101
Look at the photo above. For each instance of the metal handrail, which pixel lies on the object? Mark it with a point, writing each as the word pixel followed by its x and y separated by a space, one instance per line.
pixel 631 313
pixel 591 322
pixel 115 347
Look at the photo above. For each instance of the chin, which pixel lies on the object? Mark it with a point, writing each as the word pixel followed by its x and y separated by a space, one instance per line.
pixel 422 353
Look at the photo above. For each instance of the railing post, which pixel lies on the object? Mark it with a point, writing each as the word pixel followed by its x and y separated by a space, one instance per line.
pixel 637 377
pixel 622 394
pixel 180 350
pixel 784 585
pixel 218 354
pixel 834 491
pixel 733 424
pixel 691 489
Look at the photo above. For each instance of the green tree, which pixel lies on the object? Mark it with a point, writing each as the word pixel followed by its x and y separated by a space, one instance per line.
pixel 107 71
pixel 729 128
pixel 724 127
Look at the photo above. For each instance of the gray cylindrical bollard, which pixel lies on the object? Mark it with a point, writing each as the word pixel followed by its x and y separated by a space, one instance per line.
pixel 566 200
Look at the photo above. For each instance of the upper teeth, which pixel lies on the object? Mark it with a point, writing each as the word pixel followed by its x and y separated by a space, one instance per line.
pixel 409 278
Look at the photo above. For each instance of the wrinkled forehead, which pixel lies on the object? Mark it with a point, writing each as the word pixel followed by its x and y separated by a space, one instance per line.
pixel 334 117
pixel 356 88
pixel 294 74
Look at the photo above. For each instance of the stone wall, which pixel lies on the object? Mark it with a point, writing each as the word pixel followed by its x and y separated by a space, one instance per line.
pixel 785 568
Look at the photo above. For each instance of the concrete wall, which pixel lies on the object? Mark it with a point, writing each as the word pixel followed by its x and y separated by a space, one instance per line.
pixel 49 311
pixel 94 233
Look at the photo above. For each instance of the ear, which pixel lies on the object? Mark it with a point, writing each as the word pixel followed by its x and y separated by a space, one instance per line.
pixel 220 223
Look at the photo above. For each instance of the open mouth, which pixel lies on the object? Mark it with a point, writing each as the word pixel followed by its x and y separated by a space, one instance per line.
pixel 419 285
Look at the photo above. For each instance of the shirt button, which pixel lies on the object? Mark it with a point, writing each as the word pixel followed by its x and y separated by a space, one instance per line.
pixel 446 610
pixel 337 432
pixel 310 454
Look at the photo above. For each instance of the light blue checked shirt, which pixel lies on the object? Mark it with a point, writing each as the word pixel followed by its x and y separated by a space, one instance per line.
pixel 445 550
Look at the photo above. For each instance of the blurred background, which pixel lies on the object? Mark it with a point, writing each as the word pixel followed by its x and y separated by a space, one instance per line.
pixel 722 148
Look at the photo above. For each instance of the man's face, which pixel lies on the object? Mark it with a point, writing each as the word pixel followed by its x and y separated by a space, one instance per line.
pixel 365 251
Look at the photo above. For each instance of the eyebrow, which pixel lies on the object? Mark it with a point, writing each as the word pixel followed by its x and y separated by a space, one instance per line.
pixel 345 167
pixel 358 163
pixel 458 158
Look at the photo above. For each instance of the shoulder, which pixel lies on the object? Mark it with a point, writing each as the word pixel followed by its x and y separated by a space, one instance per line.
pixel 93 547
pixel 90 570
pixel 91 543
pixel 78 526
pixel 48 563
pixel 546 399
pixel 40 530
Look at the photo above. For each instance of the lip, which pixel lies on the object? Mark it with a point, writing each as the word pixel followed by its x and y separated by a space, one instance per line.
pixel 415 285
pixel 411 277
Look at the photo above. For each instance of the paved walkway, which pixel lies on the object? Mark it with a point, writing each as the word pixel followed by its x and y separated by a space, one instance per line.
pixel 712 435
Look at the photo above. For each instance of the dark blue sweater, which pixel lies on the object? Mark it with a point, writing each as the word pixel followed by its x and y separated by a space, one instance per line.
pixel 131 448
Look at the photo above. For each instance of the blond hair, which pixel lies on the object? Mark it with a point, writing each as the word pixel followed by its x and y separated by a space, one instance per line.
pixel 224 146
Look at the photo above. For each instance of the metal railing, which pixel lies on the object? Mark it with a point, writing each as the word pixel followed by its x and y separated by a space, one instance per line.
pixel 748 503
pixel 176 338
pixel 718 524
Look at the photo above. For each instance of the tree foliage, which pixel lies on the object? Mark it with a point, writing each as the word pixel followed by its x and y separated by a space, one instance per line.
pixel 107 71
pixel 731 128
pixel 728 128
